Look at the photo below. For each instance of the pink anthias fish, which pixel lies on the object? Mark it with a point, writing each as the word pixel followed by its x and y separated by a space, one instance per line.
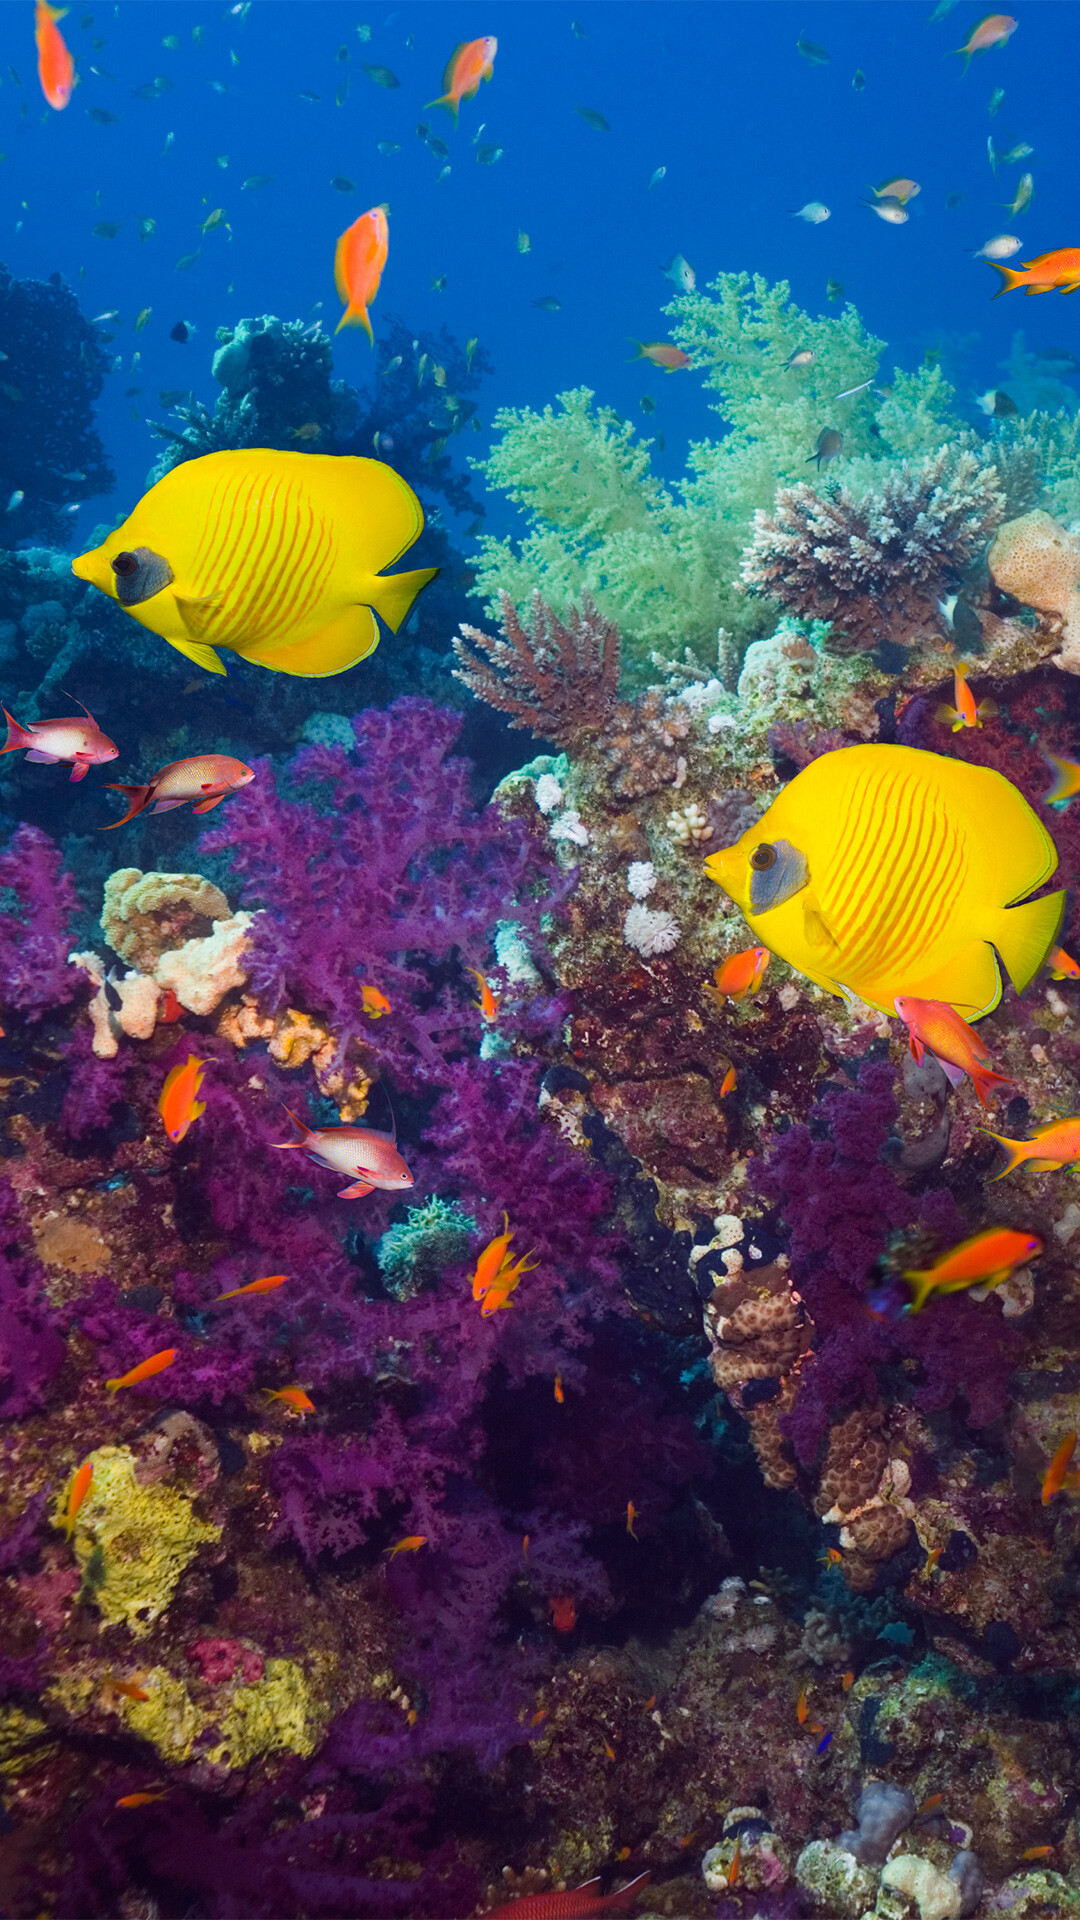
pixel 208 779
pixel 368 1157
pixel 49 741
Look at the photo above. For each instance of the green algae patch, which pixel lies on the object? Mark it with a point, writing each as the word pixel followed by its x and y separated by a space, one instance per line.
pixel 169 1720
pixel 278 1711
pixel 21 1736
pixel 133 1543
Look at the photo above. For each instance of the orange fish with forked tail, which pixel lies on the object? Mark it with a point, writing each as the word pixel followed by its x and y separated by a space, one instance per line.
pixel 1057 272
pixel 1058 1470
pixel 982 1261
pixel 178 1102
pixel 359 259
pixel 206 779
pixel 936 1027
pixel 470 62
pixel 145 1370
pixel 77 1492
pixel 56 68
pixel 1054 1146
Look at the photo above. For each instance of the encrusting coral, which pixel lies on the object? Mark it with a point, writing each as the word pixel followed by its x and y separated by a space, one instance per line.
pixel 874 562
pixel 1038 563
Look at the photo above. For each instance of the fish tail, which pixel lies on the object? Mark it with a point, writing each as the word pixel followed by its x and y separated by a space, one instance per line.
pixel 1024 935
pixel 138 797
pixel 1009 278
pixel 356 317
pixel 1016 1150
pixel 1064 786
pixel 985 1081
pixel 448 101
pixel 396 594
pixel 283 1146
pixel 923 1279
pixel 17 735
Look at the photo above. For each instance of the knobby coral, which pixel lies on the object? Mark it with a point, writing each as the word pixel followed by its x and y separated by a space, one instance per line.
pixel 874 560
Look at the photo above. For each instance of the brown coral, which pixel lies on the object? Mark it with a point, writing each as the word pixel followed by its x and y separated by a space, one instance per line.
pixel 1038 563
pixel 875 564
pixel 640 745
pixel 758 1330
pixel 855 1459
pixel 558 679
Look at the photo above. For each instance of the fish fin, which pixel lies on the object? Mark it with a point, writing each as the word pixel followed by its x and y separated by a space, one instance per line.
pixel 138 797
pixel 627 1896
pixel 818 933
pixel 204 806
pixel 341 644
pixel 397 593
pixel 1064 787
pixel 1014 1149
pixel 197 614
pixel 43 759
pixel 203 655
pixel 356 1191
pixel 284 1146
pixel 985 1082
pixel 954 1075
pixel 18 735
pixel 987 709
pixel 165 806
pixel 1045 1166
pixel 81 768
pixel 445 100
pixel 356 317
pixel 1024 935
pixel 947 716
pixel 1009 276
pixel 922 1279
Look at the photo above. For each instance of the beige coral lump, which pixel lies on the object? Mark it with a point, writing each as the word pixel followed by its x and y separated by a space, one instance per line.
pixel 177 928
pixel 1039 564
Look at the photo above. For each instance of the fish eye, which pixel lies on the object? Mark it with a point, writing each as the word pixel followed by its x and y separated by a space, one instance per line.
pixel 125 564
pixel 762 858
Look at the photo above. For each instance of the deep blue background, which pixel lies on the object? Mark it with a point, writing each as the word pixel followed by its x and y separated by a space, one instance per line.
pixel 716 93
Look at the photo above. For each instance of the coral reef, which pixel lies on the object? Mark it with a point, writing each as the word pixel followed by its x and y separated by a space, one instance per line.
pixel 559 680
pixel 1038 563
pixel 54 370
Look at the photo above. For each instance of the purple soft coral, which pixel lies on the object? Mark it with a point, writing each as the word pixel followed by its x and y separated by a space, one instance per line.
pixel 34 939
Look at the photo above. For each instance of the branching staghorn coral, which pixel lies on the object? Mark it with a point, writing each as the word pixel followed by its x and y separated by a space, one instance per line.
pixel 875 562
pixel 558 679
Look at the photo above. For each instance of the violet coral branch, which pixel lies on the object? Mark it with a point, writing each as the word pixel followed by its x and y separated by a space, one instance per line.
pixel 874 563
pixel 559 679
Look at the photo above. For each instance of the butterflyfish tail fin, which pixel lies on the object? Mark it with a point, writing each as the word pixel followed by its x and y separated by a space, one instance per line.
pixel 1024 935
pixel 138 797
pixel 397 593
pixel 1009 278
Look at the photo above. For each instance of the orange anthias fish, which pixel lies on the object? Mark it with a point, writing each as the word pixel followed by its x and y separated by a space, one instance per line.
pixel 801 1708
pixel 488 1002
pixel 207 779
pixel 631 1516
pixel 663 353
pixel 368 1157
pixel 1062 965
pixel 359 259
pixel 77 1492
pixel 982 1261
pixel 1037 1853
pixel 1053 1146
pixel 992 31
pixel 491 1259
pixel 410 1544
pixel 1066 780
pixel 129 1800
pixel 563 1612
pixel 470 62
pixel 268 1285
pixel 178 1102
pixel 126 1688
pixel 56 68
pixel 935 1027
pixel 559 1392
pixel 80 741
pixel 736 1864
pixel 294 1397
pixel 373 1002
pixel 578 1903
pixel 145 1370
pixel 1048 273
pixel 505 1283
pixel 741 973
pixel 727 1084
pixel 1054 1478
pixel 965 713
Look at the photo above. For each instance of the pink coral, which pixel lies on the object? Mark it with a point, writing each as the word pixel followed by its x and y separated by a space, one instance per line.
pixel 219 1661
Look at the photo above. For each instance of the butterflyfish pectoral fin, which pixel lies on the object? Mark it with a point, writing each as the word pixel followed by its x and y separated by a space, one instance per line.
pixel 819 935
pixel 196 650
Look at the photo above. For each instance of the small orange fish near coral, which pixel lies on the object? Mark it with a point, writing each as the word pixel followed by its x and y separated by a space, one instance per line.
pixel 1037 1853
pixel 1054 1478
pixel 77 1492
pixel 294 1397
pixel 126 1687
pixel 56 68
pixel 145 1370
pixel 488 1002
pixel 801 1708
pixel 609 1749
pixel 505 1282
pixel 411 1543
pixel 982 1261
pixel 178 1102
pixel 741 973
pixel 359 260
pixel 735 1868
pixel 935 1027
pixel 169 1008
pixel 965 713
pixel 832 1557
pixel 931 1561
pixel 470 62
pixel 268 1285
pixel 491 1259
pixel 563 1612
pixel 374 1003
pixel 559 1394
pixel 631 1516
pixel 538 1716
pixel 129 1800
pixel 1051 1147
pixel 847 1681
pixel 1062 965
pixel 663 353
pixel 727 1084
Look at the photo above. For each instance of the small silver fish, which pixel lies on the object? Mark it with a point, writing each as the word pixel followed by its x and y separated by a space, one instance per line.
pixel 1021 151
pixel 1001 247
pixel 814 55
pixel 890 209
pixel 814 212
pixel 16 501
pixel 801 357
pixel 657 176
pixel 680 273
pixel 861 388
pixel 996 99
pixel 1024 192
pixel 830 442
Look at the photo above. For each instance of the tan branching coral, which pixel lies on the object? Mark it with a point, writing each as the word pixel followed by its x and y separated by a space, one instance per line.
pixel 874 563
pixel 759 1330
pixel 1038 563
pixel 559 679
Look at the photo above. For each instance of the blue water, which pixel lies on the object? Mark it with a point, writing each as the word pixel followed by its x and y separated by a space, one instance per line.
pixel 716 94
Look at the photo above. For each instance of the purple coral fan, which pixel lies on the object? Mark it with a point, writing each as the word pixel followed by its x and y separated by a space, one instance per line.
pixel 31 1350
pixel 34 938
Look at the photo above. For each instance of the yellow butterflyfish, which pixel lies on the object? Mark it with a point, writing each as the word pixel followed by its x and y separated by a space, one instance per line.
pixel 276 556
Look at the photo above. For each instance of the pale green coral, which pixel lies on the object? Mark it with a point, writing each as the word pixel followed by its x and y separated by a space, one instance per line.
pixel 169 1720
pixel 276 1712
pixel 432 1237
pixel 21 1735
pixel 133 1543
